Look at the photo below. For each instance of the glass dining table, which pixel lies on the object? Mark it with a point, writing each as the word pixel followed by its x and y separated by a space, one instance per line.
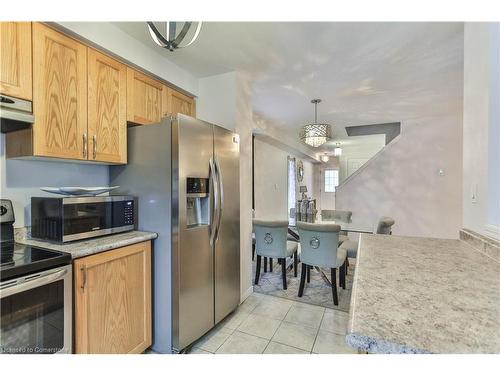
pixel 344 226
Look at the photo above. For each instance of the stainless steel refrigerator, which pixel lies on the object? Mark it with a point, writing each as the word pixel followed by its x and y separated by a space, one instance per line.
pixel 185 173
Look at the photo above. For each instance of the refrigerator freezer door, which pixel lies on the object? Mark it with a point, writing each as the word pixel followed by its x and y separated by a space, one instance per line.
pixel 193 274
pixel 227 245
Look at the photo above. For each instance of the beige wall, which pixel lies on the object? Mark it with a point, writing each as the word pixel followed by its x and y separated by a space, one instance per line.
pixel 403 182
pixel 358 149
pixel 226 100
pixel 271 180
pixel 481 70
pixel 270 176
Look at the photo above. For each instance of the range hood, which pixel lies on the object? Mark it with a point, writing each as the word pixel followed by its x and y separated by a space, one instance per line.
pixel 15 114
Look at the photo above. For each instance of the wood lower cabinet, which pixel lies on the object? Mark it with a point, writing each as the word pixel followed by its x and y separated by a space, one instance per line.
pixel 15 60
pixel 59 95
pixel 144 98
pixel 113 300
pixel 107 101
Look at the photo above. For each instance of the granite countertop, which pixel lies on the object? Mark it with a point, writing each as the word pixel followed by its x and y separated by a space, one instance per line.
pixel 79 249
pixel 424 295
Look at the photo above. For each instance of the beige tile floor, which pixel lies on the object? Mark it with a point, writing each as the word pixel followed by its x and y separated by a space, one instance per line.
pixel 274 325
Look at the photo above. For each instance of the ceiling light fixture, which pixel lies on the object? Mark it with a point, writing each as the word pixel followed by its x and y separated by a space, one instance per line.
pixel 324 158
pixel 316 134
pixel 172 39
pixel 337 151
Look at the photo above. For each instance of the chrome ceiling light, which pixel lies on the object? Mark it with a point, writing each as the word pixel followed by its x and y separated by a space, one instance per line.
pixel 316 134
pixel 172 39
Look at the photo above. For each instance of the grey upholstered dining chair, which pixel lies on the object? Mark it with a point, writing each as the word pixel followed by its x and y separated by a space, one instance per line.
pixel 271 242
pixel 332 215
pixel 338 215
pixel 384 226
pixel 319 248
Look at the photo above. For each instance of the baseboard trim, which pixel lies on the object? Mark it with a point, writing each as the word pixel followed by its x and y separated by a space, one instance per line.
pixel 246 294
pixel 493 231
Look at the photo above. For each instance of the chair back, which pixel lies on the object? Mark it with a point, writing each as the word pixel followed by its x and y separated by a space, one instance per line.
pixel 332 215
pixel 318 244
pixel 384 225
pixel 270 237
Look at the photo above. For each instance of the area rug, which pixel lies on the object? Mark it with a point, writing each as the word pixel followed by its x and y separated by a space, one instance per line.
pixel 317 292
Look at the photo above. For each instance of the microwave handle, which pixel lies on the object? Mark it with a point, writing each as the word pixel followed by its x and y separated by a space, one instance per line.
pixel 8 288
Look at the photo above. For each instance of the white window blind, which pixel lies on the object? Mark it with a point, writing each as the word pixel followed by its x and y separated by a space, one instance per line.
pixel 331 180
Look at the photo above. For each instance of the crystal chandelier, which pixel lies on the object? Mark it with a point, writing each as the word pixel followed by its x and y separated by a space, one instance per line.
pixel 316 134
pixel 173 38
pixel 324 158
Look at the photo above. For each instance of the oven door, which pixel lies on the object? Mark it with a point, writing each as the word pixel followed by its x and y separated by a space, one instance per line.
pixel 36 313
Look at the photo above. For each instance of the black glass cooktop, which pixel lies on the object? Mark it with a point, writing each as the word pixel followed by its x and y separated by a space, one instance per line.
pixel 18 260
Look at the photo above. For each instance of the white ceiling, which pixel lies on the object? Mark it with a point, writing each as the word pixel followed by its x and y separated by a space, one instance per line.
pixel 364 72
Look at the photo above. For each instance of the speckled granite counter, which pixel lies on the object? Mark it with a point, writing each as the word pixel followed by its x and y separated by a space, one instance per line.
pixel 79 249
pixel 424 295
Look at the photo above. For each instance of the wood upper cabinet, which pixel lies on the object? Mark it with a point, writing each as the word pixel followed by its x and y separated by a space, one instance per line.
pixel 107 117
pixel 176 102
pixel 113 300
pixel 181 103
pixel 59 95
pixel 144 98
pixel 165 102
pixel 15 60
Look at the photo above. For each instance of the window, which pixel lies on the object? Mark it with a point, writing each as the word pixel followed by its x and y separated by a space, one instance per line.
pixel 331 180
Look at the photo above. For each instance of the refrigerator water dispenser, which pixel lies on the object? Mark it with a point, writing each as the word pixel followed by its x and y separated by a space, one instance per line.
pixel 197 202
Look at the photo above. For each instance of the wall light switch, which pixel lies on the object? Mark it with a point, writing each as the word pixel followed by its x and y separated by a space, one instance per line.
pixel 275 186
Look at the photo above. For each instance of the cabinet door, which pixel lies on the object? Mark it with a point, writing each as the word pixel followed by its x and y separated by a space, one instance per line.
pixel 165 102
pixel 143 98
pixel 15 59
pixel 59 95
pixel 180 103
pixel 107 118
pixel 113 301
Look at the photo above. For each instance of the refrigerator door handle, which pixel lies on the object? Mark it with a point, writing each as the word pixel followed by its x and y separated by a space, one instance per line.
pixel 221 197
pixel 215 211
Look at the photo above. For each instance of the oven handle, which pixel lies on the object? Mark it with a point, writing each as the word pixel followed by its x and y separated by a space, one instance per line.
pixel 8 288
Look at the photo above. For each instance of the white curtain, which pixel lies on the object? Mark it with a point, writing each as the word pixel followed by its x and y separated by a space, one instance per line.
pixel 292 189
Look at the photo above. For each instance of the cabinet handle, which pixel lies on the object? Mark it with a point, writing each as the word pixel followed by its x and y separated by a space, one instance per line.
pixel 84 274
pixel 85 145
pixel 94 142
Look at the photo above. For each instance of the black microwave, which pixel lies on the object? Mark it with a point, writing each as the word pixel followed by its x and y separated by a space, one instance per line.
pixel 68 219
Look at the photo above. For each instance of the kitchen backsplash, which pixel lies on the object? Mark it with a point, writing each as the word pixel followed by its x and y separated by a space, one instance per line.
pixel 21 179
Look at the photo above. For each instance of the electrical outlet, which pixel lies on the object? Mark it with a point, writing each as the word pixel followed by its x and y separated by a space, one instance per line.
pixel 473 195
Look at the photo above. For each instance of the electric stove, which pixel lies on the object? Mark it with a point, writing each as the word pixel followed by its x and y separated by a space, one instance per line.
pixel 18 260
